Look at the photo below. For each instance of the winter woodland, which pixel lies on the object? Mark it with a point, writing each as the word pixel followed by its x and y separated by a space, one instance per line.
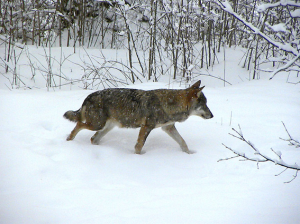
pixel 163 38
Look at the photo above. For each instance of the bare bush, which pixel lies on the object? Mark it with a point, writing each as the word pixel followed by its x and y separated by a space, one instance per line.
pixel 174 38
pixel 270 31
pixel 263 157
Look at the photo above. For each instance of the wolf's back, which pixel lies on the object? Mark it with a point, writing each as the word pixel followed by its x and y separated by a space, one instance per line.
pixel 73 115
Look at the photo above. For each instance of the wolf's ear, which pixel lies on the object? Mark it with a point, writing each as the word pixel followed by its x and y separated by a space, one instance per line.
pixel 199 93
pixel 196 85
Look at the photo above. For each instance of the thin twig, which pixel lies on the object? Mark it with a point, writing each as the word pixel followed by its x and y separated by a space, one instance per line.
pixel 264 158
pixel 294 177
pixel 291 140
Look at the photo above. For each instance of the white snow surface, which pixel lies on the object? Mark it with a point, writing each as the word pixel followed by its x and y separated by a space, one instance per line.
pixel 46 179
pixel 279 27
pixel 295 13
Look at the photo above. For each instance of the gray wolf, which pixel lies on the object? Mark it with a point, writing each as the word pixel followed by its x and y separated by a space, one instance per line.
pixel 134 108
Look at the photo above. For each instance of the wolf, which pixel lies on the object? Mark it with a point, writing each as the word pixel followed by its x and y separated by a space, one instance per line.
pixel 101 111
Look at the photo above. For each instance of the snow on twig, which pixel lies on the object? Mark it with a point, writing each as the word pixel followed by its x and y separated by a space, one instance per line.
pixel 287 65
pixel 264 7
pixel 291 140
pixel 6 39
pixel 263 157
pixel 225 5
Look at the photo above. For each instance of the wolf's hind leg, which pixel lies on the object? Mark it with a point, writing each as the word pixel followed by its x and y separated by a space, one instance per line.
pixel 173 133
pixel 101 133
pixel 79 126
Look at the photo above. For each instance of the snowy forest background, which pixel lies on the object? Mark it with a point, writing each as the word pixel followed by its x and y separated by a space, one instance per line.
pixel 178 39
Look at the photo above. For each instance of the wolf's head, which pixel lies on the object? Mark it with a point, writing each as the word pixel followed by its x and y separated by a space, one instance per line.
pixel 198 106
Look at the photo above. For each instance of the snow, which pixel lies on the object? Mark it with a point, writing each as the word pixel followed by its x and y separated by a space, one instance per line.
pixel 279 27
pixel 285 46
pixel 45 179
pixel 295 13
pixel 227 6
pixel 264 7
pixel 190 68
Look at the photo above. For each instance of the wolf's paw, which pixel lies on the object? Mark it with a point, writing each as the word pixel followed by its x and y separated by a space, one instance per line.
pixel 189 152
pixel 139 152
pixel 69 138
pixel 94 141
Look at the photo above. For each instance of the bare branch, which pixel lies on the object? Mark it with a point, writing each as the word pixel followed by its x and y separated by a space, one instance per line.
pixel 264 158
pixel 294 177
pixel 286 66
pixel 291 140
pixel 282 46
pixel 229 157
pixel 281 172
pixel 6 39
pixel 277 153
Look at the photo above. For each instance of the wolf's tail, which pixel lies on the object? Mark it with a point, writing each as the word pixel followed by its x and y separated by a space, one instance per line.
pixel 74 116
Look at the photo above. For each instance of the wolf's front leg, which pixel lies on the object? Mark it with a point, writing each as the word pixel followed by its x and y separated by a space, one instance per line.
pixel 144 132
pixel 173 133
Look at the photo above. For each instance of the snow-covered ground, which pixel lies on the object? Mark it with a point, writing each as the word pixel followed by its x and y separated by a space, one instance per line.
pixel 45 179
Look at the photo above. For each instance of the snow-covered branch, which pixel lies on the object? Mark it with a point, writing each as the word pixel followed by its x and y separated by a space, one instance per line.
pixel 225 5
pixel 279 30
pixel 264 7
pixel 286 66
pixel 262 157
pixel 6 39
pixel 291 140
